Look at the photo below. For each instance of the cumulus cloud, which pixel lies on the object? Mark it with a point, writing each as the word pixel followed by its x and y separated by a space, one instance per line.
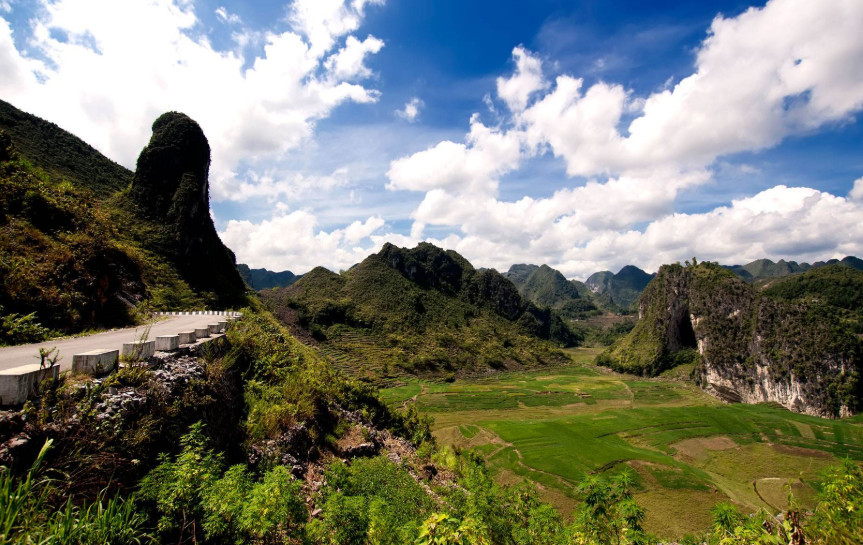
pixel 528 79
pixel 294 241
pixel 788 68
pixel 857 191
pixel 86 71
pixel 411 111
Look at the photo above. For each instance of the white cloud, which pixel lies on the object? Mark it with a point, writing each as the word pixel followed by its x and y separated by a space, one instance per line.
pixel 293 241
pixel 411 111
pixel 856 193
pixel 348 63
pixel 528 79
pixel 788 68
pixel 103 86
pixel 227 17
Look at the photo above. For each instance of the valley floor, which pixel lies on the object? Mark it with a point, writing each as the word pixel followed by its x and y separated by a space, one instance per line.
pixel 687 450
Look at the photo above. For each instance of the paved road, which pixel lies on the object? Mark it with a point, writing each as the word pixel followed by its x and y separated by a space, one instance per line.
pixel 13 356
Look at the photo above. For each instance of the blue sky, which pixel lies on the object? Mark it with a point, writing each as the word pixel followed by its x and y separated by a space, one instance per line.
pixel 586 135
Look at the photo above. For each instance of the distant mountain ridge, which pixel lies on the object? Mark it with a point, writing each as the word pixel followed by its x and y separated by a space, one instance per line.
pixel 766 268
pixel 263 279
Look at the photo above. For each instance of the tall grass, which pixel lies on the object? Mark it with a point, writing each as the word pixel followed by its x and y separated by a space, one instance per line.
pixel 27 518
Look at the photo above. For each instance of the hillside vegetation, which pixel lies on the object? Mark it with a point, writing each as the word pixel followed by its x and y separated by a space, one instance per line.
pixel 423 310
pixel 77 251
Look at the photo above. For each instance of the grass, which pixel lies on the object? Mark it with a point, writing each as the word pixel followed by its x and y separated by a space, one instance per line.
pixel 689 451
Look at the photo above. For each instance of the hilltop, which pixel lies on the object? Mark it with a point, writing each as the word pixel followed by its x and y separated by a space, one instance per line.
pixel 262 279
pixel 86 243
pixel 547 287
pixel 790 344
pixel 421 310
pixel 619 291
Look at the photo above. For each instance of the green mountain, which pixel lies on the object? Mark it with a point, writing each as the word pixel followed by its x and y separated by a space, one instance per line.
pixel 761 269
pixel 618 291
pixel 547 287
pixel 421 310
pixel 262 279
pixel 80 247
pixel 790 345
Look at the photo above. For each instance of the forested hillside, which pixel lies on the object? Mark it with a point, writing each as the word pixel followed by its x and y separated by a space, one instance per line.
pixel 423 310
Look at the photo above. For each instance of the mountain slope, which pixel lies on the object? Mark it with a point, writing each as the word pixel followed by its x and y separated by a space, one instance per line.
pixel 423 310
pixel 747 346
pixel 62 155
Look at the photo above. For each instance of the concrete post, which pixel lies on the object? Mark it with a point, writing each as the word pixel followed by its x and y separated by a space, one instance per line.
pixel 167 343
pixel 95 362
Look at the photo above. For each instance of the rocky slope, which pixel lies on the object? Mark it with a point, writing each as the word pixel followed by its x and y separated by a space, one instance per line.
pixel 746 346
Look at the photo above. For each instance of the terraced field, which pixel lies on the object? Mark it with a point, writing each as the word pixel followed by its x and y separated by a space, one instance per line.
pixel 687 450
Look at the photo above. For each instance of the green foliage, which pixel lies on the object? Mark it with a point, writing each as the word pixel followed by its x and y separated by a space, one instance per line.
pixel 26 516
pixel 15 329
pixel 371 501
pixel 838 518
pixel 176 486
pixel 608 514
pixel 442 529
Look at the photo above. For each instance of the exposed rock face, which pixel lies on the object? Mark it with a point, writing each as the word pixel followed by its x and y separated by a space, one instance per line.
pixel 750 348
pixel 171 185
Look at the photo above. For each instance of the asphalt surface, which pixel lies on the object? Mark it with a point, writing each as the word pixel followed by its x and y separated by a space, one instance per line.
pixel 13 356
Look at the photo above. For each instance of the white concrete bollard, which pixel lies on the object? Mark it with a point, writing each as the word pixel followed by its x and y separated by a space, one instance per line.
pixel 138 350
pixel 95 362
pixel 19 383
pixel 223 325
pixel 167 343
pixel 187 337
pixel 202 332
pixel 214 328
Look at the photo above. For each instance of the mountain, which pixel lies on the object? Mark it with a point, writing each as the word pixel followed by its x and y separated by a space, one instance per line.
pixel 547 287
pixel 262 279
pixel 747 345
pixel 421 310
pixel 85 243
pixel 60 154
pixel 765 268
pixel 621 290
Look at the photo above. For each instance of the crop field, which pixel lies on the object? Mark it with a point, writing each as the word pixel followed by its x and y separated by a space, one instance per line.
pixel 686 450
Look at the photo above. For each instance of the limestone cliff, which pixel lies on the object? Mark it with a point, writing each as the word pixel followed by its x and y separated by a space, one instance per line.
pixel 171 186
pixel 747 347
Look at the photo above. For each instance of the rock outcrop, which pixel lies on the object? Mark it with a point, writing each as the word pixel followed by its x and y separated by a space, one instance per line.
pixel 171 186
pixel 747 347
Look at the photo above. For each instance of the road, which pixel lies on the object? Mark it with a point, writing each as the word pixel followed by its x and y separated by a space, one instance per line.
pixel 13 356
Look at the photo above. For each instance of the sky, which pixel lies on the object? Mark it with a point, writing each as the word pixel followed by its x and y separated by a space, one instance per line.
pixel 585 135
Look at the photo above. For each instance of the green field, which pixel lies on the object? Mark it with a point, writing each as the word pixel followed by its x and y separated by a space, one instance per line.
pixel 687 450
